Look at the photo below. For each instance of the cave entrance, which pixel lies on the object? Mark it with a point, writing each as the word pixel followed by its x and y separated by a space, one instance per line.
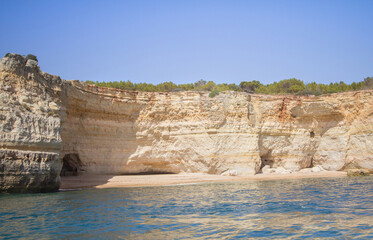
pixel 71 165
pixel 265 162
pixel 266 159
pixel 312 134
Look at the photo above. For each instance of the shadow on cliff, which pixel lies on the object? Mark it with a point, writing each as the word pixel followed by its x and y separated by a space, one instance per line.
pixel 73 175
pixel 98 133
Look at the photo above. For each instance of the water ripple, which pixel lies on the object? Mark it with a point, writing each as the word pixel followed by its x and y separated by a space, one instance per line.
pixel 339 208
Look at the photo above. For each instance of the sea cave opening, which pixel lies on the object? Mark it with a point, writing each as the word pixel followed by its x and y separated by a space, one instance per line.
pixel 71 165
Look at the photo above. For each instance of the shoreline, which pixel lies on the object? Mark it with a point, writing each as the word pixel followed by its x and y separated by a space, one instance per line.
pixel 123 181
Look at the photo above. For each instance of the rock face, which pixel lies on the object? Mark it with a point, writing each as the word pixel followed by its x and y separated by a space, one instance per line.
pixel 124 132
pixel 137 132
pixel 30 113
pixel 233 133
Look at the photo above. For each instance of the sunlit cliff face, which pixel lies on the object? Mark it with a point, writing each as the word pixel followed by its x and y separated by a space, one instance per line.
pixel 233 133
pixel 120 132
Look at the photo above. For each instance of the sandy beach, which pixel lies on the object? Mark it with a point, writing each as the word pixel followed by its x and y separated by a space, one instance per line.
pixel 116 181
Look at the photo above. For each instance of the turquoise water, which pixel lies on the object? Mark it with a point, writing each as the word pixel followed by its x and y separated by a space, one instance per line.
pixel 332 208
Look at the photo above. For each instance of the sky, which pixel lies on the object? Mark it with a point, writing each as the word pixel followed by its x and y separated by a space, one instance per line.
pixel 184 41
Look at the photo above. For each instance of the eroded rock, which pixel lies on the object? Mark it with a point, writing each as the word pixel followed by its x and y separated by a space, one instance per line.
pixel 30 139
pixel 127 132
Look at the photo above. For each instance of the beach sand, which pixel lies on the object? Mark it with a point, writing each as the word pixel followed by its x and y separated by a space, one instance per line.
pixel 116 181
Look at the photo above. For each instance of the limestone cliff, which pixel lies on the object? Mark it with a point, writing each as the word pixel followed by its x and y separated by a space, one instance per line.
pixel 123 132
pixel 117 131
pixel 30 113
pixel 233 133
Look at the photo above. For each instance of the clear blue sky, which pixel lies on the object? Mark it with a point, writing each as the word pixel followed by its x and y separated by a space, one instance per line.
pixel 185 40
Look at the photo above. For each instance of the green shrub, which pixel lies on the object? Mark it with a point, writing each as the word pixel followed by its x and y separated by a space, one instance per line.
pixel 7 55
pixel 90 82
pixel 213 93
pixel 250 86
pixel 178 90
pixel 286 86
pixel 32 57
pixel 318 93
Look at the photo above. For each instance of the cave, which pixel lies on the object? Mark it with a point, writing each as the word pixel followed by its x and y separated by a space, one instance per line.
pixel 71 165
pixel 266 160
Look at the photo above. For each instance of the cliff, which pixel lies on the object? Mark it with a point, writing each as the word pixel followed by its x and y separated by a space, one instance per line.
pixel 30 116
pixel 109 131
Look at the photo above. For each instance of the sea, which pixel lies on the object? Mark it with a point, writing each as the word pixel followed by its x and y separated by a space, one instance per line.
pixel 324 208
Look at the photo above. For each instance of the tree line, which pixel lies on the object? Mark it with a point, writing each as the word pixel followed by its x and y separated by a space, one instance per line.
pixel 287 86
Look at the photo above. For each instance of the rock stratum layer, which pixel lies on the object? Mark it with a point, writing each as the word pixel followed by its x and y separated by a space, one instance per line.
pixel 45 119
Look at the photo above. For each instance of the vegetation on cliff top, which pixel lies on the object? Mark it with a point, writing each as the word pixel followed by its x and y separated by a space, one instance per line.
pixel 287 86
pixel 32 57
pixel 29 56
